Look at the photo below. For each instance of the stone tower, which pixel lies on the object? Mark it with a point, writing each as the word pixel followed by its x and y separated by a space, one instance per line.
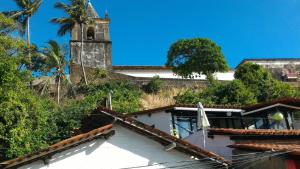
pixel 96 46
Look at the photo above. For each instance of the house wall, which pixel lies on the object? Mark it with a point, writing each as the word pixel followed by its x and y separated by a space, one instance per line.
pixel 217 144
pixel 161 120
pixel 125 149
pixel 169 74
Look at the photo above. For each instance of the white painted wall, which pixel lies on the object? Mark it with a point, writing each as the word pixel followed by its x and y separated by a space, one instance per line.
pixel 161 120
pixel 169 74
pixel 123 150
pixel 218 144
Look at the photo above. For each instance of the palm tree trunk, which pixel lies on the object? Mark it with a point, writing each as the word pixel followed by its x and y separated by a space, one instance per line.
pixel 81 60
pixel 28 37
pixel 58 90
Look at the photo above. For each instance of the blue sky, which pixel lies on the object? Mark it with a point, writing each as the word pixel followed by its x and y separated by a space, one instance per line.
pixel 143 30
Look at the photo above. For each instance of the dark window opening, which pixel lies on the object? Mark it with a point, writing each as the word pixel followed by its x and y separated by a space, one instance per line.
pixel 91 33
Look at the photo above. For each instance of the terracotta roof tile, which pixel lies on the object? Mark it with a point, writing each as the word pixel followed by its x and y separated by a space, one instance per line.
pixel 65 144
pixel 256 132
pixel 160 135
pixel 292 149
pixel 292 101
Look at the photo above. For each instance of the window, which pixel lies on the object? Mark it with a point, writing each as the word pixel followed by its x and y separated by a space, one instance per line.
pixel 90 33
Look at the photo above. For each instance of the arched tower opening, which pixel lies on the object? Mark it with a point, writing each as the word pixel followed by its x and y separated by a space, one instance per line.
pixel 90 33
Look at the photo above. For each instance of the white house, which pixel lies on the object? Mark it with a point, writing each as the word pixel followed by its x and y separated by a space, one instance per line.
pixel 181 121
pixel 126 144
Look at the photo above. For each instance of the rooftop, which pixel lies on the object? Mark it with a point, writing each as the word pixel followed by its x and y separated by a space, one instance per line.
pixel 105 132
pixel 291 149
pixel 262 133
pixel 62 145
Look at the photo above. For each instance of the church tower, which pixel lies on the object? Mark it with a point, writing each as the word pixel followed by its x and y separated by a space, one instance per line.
pixel 96 45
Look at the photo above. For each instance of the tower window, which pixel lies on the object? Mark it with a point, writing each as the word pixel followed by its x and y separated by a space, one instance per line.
pixel 91 33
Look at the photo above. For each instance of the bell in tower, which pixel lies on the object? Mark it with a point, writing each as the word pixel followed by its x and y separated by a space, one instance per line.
pixel 96 52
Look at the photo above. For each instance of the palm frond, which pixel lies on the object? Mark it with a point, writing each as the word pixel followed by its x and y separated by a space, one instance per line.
pixel 62 6
pixel 33 7
pixel 55 51
pixel 22 3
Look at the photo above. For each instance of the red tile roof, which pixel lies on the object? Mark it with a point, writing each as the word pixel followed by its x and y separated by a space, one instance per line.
pixel 63 145
pixel 291 101
pixel 292 75
pixel 161 136
pixel 292 149
pixel 256 132
pixel 106 131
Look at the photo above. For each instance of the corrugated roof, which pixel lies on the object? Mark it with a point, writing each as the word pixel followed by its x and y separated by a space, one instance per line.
pixel 291 149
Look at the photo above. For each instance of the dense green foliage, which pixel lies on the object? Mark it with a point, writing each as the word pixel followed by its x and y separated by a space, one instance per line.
pixel 154 86
pixel 253 84
pixel 234 92
pixel 125 99
pixel 55 64
pixel 125 95
pixel 24 117
pixel 196 55
pixel 261 82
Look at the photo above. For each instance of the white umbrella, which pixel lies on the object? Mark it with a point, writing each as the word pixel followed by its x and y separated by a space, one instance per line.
pixel 202 120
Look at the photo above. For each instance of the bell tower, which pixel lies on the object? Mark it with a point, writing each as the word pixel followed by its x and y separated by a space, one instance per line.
pixel 96 52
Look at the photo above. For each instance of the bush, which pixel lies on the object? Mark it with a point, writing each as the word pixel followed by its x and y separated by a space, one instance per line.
pixel 234 92
pixel 261 83
pixel 154 86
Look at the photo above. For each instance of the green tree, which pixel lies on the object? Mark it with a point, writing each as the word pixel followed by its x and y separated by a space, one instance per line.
pixel 27 9
pixel 261 82
pixel 7 25
pixel 77 14
pixel 234 93
pixel 24 117
pixel 56 64
pixel 154 86
pixel 196 55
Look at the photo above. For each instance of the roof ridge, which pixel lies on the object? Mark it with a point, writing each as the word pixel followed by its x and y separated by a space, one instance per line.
pixel 60 145
pixel 293 149
pixel 184 144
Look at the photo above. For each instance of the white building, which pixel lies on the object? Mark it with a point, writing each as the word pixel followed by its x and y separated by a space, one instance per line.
pixel 181 121
pixel 165 73
pixel 124 144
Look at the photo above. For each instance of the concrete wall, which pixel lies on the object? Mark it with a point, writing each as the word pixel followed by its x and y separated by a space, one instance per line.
pixel 218 144
pixel 169 74
pixel 125 149
pixel 161 120
pixel 280 67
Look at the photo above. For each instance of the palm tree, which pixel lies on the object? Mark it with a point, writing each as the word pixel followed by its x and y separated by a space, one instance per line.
pixel 27 9
pixel 77 14
pixel 55 65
